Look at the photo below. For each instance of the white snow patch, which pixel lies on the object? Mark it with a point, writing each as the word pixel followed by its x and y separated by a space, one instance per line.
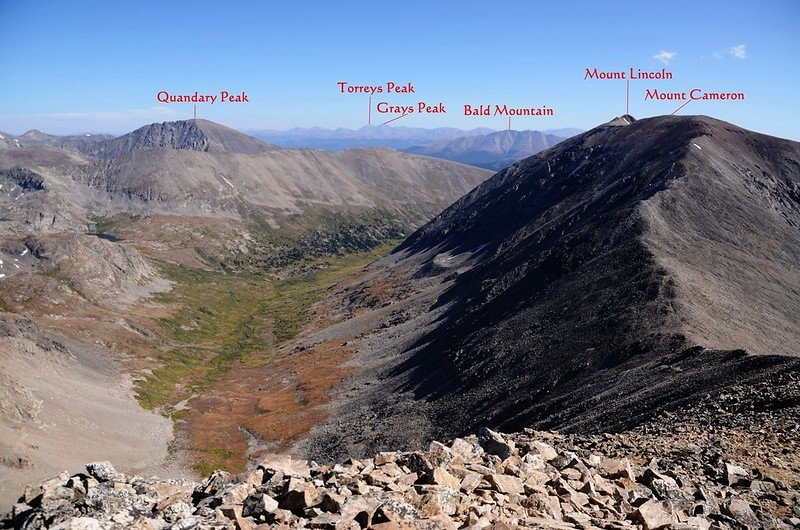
pixel 24 252
pixel 1 263
pixel 228 181
pixel 16 142
pixel 87 134
pixel 2 275
pixel 697 146
pixel 17 266
pixel 2 137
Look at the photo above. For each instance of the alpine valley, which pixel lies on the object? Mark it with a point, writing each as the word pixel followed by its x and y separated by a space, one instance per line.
pixel 603 334
pixel 137 271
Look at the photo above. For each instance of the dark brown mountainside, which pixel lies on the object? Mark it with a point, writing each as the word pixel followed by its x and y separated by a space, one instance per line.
pixel 635 267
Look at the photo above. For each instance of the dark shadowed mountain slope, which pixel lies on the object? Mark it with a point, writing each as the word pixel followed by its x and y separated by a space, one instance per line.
pixel 712 209
pixel 492 151
pixel 635 267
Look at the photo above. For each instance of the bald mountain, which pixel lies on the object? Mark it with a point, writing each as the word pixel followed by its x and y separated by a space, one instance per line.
pixel 492 151
pixel 635 268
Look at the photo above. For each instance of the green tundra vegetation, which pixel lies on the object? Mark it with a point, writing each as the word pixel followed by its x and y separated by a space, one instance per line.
pixel 234 317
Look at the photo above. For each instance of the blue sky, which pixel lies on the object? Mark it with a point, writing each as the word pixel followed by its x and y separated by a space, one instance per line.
pixel 97 66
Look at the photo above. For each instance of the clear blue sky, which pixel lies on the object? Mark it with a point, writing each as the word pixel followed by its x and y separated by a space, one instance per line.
pixel 96 66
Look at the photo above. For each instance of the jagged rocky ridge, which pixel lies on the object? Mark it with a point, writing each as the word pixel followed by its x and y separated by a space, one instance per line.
pixel 533 479
pixel 193 135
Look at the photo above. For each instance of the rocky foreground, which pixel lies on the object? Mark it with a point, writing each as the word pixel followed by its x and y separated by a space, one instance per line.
pixel 533 479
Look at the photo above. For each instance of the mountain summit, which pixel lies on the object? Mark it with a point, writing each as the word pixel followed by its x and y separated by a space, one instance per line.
pixel 194 135
pixel 639 265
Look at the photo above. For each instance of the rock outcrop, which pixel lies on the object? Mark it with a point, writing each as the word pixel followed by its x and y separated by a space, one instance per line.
pixel 193 135
pixel 532 479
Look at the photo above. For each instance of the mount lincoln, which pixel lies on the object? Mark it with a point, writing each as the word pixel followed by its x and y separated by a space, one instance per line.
pixel 629 270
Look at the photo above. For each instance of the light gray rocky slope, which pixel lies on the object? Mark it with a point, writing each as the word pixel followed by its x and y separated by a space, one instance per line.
pixel 197 167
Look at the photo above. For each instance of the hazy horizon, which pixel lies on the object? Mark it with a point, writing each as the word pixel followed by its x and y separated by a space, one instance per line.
pixel 91 66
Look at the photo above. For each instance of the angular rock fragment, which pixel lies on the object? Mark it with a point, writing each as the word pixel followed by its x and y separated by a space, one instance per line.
pixel 539 484
pixel 494 443
pixel 285 464
pixel 102 471
pixel 176 511
pixel 506 483
pixel 734 475
pixel 653 515
pixel 741 511
pixel 301 497
pixel 259 504
pixel 442 477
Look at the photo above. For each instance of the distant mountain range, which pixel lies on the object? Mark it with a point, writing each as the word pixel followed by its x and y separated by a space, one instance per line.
pixel 287 204
pixel 394 137
pixel 480 147
pixel 195 135
pixel 200 167
pixel 492 151
pixel 35 138
pixel 367 136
